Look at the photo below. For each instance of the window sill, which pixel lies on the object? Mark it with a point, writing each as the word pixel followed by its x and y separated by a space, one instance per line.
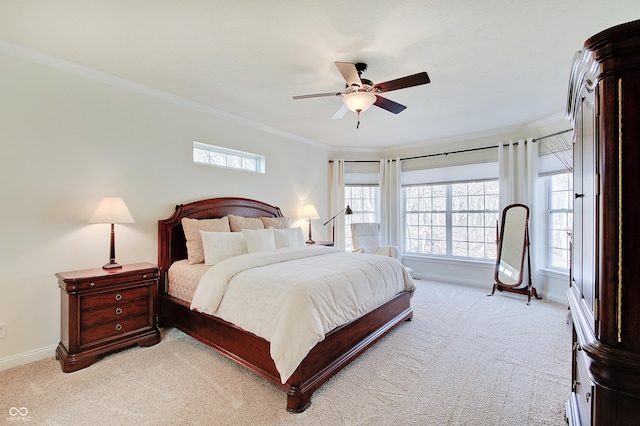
pixel 450 260
pixel 553 273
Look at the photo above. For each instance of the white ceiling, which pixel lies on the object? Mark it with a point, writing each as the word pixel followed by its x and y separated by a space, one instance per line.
pixel 494 64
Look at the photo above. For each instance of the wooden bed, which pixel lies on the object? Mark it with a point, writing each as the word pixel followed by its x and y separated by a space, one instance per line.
pixel 339 347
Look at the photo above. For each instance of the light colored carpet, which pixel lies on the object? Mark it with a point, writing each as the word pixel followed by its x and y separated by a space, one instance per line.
pixel 465 359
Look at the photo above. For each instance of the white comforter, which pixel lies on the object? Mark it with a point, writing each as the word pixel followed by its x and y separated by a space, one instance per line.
pixel 293 297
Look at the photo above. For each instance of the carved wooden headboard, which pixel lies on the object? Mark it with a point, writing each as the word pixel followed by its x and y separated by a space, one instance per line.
pixel 172 245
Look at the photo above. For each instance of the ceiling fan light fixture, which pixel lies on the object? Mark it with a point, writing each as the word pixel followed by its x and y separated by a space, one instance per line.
pixel 359 101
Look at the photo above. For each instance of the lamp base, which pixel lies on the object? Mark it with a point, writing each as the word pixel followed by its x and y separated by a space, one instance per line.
pixel 112 265
pixel 310 241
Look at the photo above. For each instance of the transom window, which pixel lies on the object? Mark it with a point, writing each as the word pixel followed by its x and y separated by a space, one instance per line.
pixel 218 156
pixel 452 219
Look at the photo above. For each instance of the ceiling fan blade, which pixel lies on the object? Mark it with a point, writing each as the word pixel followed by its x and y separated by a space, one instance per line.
pixel 350 73
pixel 340 112
pixel 403 82
pixel 389 105
pixel 317 95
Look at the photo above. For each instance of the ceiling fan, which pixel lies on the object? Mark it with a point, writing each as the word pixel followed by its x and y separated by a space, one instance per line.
pixel 359 93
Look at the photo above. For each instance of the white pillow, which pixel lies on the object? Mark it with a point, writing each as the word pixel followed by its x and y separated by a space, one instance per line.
pixel 218 246
pixel 259 239
pixel 288 237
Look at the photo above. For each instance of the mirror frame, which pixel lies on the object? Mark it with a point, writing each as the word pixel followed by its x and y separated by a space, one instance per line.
pixel 525 243
pixel 528 289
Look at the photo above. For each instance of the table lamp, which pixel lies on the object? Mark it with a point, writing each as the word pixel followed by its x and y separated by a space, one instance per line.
pixel 309 212
pixel 112 210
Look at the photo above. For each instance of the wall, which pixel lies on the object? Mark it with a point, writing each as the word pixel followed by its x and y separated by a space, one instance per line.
pixel 68 138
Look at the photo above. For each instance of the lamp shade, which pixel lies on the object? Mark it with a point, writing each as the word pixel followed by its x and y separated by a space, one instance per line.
pixel 309 211
pixel 359 101
pixel 111 210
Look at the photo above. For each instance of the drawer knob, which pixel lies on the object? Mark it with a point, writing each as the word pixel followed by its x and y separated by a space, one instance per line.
pixel 118 296
pixel 118 327
pixel 92 284
pixel 118 311
pixel 144 276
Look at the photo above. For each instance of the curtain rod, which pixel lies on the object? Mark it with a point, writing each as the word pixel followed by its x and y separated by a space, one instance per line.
pixel 457 152
pixel 552 135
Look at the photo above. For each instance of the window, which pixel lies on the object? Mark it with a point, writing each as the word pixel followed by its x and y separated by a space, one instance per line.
pixel 363 200
pixel 560 219
pixel 452 219
pixel 223 157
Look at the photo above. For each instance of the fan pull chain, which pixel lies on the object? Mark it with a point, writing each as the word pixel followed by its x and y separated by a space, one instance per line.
pixel 358 125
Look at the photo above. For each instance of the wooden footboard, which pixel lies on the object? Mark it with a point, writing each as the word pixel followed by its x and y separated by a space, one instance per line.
pixel 327 358
pixel 341 346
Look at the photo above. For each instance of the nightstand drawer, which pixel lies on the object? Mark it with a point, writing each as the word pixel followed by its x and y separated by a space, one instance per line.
pixel 91 279
pixel 114 313
pixel 114 297
pixel 113 329
pixel 87 285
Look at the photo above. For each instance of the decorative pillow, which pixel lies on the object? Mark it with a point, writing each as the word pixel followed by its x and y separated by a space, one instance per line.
pixel 222 245
pixel 238 223
pixel 275 222
pixel 192 228
pixel 290 237
pixel 259 239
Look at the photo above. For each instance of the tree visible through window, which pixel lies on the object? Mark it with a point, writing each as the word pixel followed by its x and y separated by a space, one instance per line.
pixel 363 201
pixel 223 157
pixel 452 219
pixel 560 217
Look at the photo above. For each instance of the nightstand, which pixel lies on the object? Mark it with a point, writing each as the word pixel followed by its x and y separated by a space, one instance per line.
pixel 103 311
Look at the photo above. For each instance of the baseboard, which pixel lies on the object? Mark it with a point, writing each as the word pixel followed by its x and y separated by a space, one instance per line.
pixel 27 357
pixel 459 281
pixel 483 284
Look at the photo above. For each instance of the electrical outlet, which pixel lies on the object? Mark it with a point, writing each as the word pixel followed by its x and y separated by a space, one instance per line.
pixel 3 330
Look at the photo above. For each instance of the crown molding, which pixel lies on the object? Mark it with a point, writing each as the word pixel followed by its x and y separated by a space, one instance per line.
pixel 109 79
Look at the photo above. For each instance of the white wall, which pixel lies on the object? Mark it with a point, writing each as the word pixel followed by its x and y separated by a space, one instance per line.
pixel 549 285
pixel 69 138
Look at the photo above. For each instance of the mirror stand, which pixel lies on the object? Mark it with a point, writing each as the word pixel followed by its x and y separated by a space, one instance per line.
pixel 513 246
pixel 529 289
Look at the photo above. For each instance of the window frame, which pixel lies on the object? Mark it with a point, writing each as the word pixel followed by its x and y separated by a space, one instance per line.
pixel 549 212
pixel 248 162
pixel 449 226
pixel 358 215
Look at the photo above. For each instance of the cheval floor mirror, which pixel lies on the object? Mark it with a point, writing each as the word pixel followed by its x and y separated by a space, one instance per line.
pixel 513 246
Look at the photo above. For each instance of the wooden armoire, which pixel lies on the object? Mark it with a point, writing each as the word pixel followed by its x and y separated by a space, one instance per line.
pixel 604 293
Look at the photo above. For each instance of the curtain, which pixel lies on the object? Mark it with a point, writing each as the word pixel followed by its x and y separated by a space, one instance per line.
pixel 518 171
pixel 390 211
pixel 336 202
pixel 518 163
